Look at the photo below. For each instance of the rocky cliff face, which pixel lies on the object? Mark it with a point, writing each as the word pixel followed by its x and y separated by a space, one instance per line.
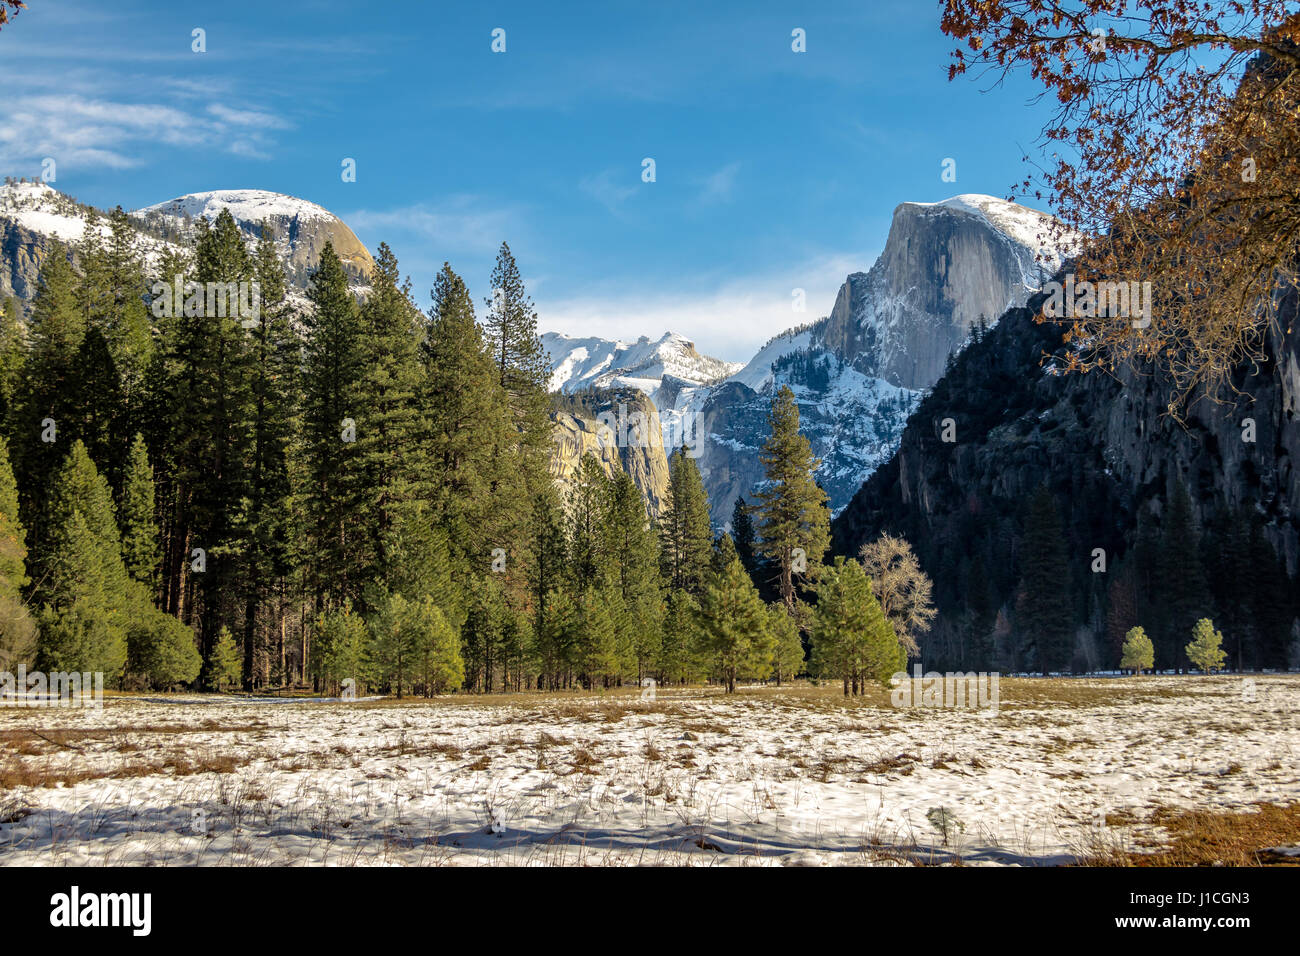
pixel 1102 444
pixel 623 431
pixel 859 372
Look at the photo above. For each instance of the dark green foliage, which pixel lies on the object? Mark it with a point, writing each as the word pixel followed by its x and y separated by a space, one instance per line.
pixel 1044 618
pixel 793 518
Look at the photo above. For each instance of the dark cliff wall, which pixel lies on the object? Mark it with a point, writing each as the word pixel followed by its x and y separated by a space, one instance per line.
pixel 1113 459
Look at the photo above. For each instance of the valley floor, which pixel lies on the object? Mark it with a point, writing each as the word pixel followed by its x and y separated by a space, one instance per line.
pixel 790 775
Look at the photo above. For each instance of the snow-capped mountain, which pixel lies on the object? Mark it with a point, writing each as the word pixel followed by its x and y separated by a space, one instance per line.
pixel 32 214
pixel 578 363
pixel 857 373
pixel 300 228
pixel 860 372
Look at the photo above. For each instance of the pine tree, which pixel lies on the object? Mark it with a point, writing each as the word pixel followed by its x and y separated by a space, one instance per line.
pixel 1138 652
pixel 547 558
pixel 597 634
pixel 464 407
pixel 794 521
pixel 224 668
pixel 160 650
pixel 678 660
pixel 686 538
pixel 265 525
pixel 787 658
pixel 1206 649
pixel 1043 611
pixel 212 411
pixel 484 631
pixel 742 533
pixel 97 413
pixel 633 563
pixel 57 329
pixel 332 370
pixel 437 660
pixel 82 583
pixel 13 356
pixel 732 622
pixel 397 632
pixel 523 367
pixel 557 638
pixel 17 629
pixel 389 426
pixel 343 649
pixel 589 559
pixel 139 526
pixel 852 639
pixel 113 301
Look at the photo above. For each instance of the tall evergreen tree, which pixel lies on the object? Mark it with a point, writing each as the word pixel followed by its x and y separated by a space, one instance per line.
pixel 332 371
pixel 732 622
pixel 686 538
pixel 82 585
pixel 17 629
pixel 266 526
pixel 210 438
pixel 852 637
pixel 389 426
pixel 742 533
pixel 633 563
pixel 464 407
pixel 589 558
pixel 138 523
pixel 793 517
pixel 43 426
pixel 13 356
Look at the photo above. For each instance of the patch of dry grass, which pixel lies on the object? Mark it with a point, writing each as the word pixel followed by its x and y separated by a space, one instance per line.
pixel 1209 838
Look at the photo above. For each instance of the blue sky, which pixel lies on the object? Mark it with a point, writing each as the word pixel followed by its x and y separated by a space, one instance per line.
pixel 775 170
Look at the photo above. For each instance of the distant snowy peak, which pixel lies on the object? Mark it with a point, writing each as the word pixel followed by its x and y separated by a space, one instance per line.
pixel 299 228
pixel 45 211
pixel 578 363
pixel 246 205
pixel 757 372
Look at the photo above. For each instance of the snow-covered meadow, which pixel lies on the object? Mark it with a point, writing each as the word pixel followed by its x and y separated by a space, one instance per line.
pixel 791 775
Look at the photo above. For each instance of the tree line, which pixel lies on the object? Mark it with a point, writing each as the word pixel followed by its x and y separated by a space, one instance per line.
pixel 353 492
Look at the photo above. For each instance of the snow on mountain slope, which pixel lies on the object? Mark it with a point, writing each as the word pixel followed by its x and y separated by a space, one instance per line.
pixel 246 205
pixel 300 228
pixel 578 363
pixel 757 372
pixel 32 215
pixel 857 374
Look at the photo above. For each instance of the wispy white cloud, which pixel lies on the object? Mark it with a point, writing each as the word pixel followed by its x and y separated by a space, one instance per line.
pixel 462 223
pixel 610 187
pixel 729 319
pixel 719 186
pixel 82 130
pixel 255 118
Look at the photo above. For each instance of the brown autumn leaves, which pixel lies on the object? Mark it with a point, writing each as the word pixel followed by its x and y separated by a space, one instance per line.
pixel 1174 152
